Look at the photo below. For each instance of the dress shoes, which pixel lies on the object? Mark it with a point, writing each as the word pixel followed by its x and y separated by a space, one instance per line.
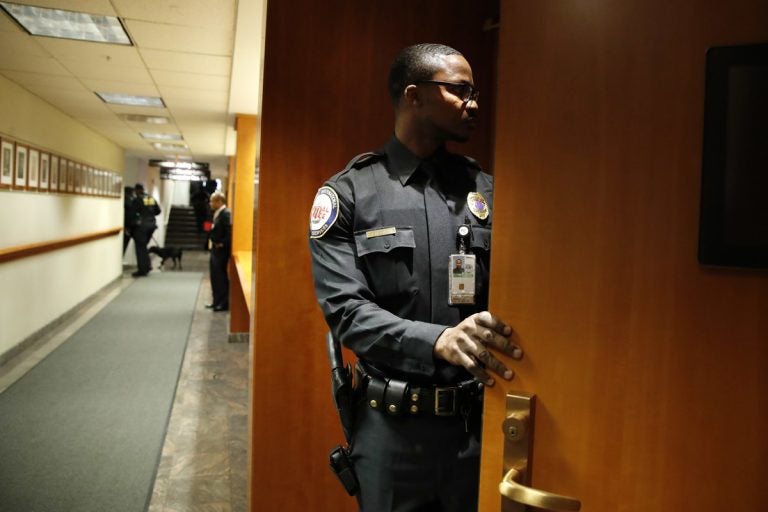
pixel 139 274
pixel 210 306
pixel 221 308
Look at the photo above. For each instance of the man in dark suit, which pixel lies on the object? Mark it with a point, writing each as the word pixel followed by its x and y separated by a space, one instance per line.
pixel 220 245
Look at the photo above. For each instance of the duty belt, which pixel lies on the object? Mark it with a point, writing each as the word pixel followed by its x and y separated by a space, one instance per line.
pixel 397 397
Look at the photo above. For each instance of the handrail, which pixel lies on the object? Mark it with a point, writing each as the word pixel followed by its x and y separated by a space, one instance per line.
pixel 24 251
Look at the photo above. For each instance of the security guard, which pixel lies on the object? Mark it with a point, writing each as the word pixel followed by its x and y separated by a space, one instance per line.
pixel 385 234
pixel 144 209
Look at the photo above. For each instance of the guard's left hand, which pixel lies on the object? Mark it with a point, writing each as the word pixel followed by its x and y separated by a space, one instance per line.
pixel 471 344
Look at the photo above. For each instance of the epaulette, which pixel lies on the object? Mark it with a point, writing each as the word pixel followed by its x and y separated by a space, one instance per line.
pixel 364 159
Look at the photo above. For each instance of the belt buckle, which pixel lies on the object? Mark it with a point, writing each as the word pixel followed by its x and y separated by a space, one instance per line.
pixel 440 409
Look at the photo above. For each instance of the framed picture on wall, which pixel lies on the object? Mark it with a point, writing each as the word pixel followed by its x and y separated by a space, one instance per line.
pixel 33 172
pixel 54 186
pixel 20 176
pixel 45 169
pixel 7 150
pixel 63 175
pixel 70 176
pixel 78 178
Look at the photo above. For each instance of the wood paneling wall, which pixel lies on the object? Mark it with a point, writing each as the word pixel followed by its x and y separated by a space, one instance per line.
pixel 324 101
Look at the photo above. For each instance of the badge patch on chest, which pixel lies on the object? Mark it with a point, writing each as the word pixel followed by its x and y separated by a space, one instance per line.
pixel 325 211
pixel 478 205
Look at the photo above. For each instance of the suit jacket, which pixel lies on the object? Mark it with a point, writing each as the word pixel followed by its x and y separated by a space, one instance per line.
pixel 221 233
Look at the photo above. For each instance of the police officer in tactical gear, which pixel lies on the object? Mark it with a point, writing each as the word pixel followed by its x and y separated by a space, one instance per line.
pixel 144 209
pixel 385 234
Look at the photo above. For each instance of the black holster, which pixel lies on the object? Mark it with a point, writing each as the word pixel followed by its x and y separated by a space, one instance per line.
pixel 344 399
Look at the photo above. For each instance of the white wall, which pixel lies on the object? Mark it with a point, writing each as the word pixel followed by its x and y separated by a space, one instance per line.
pixel 37 290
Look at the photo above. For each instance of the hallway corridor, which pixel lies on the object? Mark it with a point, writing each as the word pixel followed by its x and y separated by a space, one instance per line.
pixel 203 465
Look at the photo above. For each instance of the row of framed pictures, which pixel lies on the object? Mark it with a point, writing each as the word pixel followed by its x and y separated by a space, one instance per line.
pixel 26 168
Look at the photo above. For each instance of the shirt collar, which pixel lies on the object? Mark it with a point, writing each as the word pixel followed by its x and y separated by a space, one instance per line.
pixel 402 162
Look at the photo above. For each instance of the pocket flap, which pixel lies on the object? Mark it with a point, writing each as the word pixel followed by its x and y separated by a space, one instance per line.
pixel 396 238
pixel 481 238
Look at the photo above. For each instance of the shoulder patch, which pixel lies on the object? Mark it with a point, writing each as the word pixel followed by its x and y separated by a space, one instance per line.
pixel 364 159
pixel 325 211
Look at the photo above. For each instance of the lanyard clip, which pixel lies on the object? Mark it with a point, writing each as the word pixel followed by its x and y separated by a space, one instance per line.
pixel 463 235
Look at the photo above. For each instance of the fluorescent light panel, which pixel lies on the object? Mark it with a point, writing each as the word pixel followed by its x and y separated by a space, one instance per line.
pixel 128 99
pixel 160 146
pixel 42 21
pixel 161 136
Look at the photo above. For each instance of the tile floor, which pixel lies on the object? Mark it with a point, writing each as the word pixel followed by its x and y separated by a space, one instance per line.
pixel 203 466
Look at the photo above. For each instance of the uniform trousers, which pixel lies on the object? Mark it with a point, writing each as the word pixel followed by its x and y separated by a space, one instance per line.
pixel 418 463
pixel 141 237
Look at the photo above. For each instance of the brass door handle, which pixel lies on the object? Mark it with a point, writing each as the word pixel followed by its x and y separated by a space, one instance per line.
pixel 511 489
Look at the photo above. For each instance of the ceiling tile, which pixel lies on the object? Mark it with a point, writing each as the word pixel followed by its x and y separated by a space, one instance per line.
pixel 187 62
pixel 89 70
pixel 40 81
pixel 19 62
pixel 191 81
pixel 101 53
pixel 145 89
pixel 176 38
pixel 21 43
pixel 189 13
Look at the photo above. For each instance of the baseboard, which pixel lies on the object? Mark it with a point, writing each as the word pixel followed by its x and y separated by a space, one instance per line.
pixel 238 337
pixel 57 323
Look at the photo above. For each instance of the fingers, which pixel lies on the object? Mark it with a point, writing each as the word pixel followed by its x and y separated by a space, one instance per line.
pixel 472 344
pixel 486 319
pixel 480 359
pixel 496 334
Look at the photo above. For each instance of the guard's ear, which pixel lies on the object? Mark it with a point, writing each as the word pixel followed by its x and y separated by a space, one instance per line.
pixel 411 96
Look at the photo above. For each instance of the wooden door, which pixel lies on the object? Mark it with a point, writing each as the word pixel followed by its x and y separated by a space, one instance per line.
pixel 650 370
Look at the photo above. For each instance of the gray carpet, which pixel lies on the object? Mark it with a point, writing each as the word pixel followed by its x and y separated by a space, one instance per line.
pixel 83 430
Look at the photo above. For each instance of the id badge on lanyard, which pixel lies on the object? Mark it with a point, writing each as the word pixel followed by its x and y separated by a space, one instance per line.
pixel 461 271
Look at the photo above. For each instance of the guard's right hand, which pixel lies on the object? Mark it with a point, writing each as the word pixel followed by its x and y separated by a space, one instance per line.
pixel 471 344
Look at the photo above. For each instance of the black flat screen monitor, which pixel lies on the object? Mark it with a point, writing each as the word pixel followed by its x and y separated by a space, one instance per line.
pixel 733 228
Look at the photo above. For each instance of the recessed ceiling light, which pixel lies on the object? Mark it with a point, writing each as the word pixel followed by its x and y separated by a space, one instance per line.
pixel 160 146
pixel 42 21
pixel 132 100
pixel 140 118
pixel 161 136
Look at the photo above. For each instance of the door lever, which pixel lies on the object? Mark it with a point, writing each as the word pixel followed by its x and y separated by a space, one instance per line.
pixel 511 489
pixel 518 450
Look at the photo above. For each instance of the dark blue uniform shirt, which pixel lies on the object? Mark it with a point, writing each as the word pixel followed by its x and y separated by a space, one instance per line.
pixel 381 261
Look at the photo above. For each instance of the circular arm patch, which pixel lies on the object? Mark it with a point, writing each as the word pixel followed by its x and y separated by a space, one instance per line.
pixel 325 211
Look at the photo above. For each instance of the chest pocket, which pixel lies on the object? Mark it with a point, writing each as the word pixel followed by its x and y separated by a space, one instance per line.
pixel 481 239
pixel 388 261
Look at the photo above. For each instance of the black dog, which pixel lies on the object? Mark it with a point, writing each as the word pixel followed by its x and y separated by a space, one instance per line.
pixel 165 253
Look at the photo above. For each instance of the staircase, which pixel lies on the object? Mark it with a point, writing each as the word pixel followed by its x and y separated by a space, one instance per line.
pixel 181 230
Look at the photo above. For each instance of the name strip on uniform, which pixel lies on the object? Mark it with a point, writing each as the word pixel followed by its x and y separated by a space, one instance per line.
pixel 380 232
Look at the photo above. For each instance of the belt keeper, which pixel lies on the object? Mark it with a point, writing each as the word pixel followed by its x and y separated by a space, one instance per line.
pixel 375 393
pixel 394 397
